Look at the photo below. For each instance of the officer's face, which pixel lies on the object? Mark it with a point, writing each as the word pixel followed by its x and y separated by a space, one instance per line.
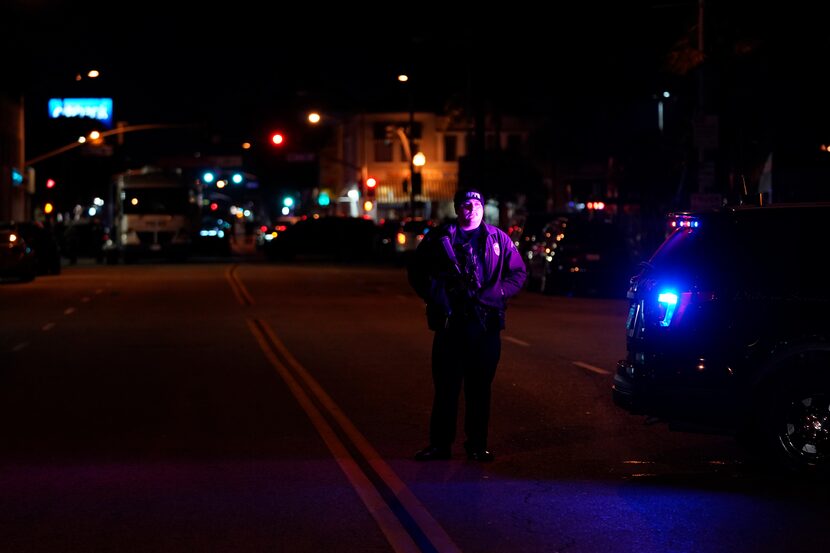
pixel 470 214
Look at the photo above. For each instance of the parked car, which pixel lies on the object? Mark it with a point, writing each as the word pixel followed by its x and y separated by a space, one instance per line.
pixel 410 233
pixel 572 255
pixel 17 259
pixel 41 239
pixel 84 238
pixel 215 235
pixel 727 332
pixel 387 240
pixel 265 233
pixel 341 239
pixel 528 232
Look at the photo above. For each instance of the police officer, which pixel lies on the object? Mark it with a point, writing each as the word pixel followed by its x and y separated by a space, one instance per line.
pixel 465 271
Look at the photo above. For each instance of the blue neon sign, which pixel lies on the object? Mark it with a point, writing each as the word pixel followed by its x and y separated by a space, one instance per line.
pixel 92 108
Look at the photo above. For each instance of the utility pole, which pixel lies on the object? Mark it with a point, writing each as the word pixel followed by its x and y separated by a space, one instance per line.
pixel 410 131
pixel 700 101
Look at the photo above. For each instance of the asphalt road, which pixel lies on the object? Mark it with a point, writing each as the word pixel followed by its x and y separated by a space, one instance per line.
pixel 245 406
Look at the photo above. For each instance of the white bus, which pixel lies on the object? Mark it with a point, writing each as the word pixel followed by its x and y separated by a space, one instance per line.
pixel 155 214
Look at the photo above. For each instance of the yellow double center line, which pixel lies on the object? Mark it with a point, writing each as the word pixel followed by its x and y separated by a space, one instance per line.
pixel 407 525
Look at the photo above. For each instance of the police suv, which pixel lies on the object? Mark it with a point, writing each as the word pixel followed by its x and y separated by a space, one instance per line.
pixel 728 329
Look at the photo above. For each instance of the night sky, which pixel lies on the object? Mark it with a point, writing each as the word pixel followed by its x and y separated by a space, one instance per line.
pixel 240 66
pixel 591 68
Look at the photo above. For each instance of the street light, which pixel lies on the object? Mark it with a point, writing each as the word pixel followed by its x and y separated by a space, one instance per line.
pixel 415 159
pixel 101 135
pixel 330 150
pixel 406 139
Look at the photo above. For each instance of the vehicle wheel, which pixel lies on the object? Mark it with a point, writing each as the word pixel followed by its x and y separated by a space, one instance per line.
pixel 795 432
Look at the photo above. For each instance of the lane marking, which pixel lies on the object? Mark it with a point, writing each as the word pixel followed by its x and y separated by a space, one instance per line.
pixel 395 534
pixel 391 513
pixel 20 346
pixel 517 341
pixel 243 297
pixel 69 311
pixel 48 326
pixel 591 368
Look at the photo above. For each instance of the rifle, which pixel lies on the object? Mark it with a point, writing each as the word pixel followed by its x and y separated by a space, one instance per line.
pixel 465 280
pixel 461 279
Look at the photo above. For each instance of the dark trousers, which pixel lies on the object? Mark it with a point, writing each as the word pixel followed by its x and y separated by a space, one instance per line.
pixel 465 353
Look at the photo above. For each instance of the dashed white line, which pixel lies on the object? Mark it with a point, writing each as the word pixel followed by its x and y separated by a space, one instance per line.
pixel 517 341
pixel 20 346
pixel 591 368
pixel 48 326
pixel 69 311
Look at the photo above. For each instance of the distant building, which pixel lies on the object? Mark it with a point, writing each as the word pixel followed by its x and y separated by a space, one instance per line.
pixel 375 145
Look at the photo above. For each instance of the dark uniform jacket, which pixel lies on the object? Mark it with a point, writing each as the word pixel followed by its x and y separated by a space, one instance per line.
pixel 431 274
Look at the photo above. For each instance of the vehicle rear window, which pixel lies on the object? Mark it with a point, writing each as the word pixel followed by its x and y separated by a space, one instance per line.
pixel 701 254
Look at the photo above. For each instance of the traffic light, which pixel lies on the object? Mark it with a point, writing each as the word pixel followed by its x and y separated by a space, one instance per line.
pixel 277 139
pixel 50 183
pixel 371 186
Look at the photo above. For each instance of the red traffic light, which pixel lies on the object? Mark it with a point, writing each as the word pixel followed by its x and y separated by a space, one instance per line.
pixel 371 186
pixel 277 139
pixel 50 183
